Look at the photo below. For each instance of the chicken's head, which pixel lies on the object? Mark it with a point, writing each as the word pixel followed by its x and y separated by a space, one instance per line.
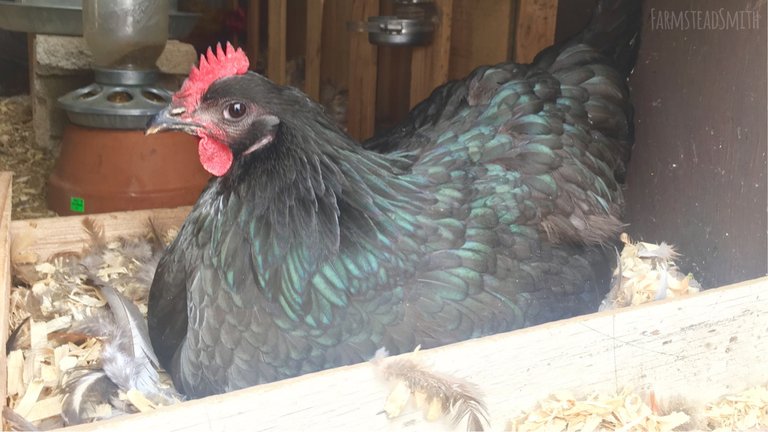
pixel 215 103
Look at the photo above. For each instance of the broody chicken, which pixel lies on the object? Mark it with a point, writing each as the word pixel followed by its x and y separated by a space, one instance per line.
pixel 485 211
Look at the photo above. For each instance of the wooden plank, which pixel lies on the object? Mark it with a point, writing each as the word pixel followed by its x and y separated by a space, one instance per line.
pixel 393 89
pixel 65 234
pixel 462 34
pixel 32 62
pixel 254 28
pixel 479 35
pixel 276 43
pixel 535 28
pixel 336 43
pixel 430 64
pixel 5 272
pixel 361 112
pixel 699 346
pixel 314 48
pixel 394 80
pixel 296 38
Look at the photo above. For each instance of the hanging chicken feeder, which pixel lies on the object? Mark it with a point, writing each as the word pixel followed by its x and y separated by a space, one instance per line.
pixel 106 161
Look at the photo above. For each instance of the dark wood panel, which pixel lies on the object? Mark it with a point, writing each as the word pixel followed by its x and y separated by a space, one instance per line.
pixel 534 29
pixel 361 114
pixel 429 64
pixel 481 34
pixel 698 172
pixel 334 66
pixel 572 17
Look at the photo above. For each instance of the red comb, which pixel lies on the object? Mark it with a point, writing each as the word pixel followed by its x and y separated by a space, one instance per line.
pixel 212 67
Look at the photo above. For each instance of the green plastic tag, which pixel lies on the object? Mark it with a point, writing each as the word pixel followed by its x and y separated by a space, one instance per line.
pixel 77 204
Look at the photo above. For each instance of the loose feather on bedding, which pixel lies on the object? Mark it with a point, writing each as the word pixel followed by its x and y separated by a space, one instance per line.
pixel 87 397
pixel 440 396
pixel 103 361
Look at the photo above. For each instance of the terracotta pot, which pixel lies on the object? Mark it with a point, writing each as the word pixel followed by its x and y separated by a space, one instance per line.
pixel 104 170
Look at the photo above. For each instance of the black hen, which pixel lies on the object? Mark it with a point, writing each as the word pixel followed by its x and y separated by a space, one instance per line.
pixel 309 252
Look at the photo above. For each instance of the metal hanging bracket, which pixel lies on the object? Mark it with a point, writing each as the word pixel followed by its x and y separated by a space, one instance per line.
pixel 412 25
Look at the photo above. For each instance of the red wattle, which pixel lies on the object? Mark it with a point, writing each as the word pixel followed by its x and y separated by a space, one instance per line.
pixel 215 157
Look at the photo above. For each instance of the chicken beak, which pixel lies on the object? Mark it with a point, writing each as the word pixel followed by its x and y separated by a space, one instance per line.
pixel 171 118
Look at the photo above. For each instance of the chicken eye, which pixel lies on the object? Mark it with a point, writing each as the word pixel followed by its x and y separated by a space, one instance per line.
pixel 234 111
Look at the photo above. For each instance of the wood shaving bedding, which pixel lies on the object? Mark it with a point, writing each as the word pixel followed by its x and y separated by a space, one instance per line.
pixel 49 296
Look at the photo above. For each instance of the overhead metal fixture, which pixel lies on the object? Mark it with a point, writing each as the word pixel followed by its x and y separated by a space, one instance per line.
pixel 413 24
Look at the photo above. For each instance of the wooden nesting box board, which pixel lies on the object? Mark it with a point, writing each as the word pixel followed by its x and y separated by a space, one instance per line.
pixel 704 345
pixel 5 271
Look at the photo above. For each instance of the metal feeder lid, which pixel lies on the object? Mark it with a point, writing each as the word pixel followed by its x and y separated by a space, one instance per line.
pixel 392 30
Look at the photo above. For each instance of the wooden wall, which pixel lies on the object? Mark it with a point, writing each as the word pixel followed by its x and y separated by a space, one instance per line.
pixel 393 93
pixel 471 34
pixel 335 62
pixel 572 16
pixel 482 33
pixel 697 177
